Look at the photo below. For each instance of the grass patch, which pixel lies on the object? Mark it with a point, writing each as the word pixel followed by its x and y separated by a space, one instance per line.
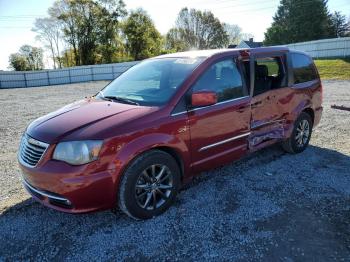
pixel 334 68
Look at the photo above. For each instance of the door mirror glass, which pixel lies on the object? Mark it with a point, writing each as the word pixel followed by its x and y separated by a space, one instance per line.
pixel 203 98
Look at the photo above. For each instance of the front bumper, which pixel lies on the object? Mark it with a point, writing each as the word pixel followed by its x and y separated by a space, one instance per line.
pixel 71 189
pixel 47 197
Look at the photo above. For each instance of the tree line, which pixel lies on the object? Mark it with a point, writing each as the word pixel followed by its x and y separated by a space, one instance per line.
pixel 305 20
pixel 103 31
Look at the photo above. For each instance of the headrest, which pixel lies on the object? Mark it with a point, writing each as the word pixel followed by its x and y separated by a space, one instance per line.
pixel 261 71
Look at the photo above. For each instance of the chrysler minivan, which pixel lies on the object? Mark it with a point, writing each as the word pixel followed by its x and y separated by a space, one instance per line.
pixel 151 130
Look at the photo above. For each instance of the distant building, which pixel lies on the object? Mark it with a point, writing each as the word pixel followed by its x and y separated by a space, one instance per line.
pixel 249 44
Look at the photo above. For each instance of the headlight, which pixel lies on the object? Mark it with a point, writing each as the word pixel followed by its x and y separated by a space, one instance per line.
pixel 78 152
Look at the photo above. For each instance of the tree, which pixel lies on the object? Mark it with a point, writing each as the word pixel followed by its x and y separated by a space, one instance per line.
pixel 28 58
pixel 33 55
pixel 49 32
pixel 142 38
pixel 199 30
pixel 235 34
pixel 110 13
pixel 174 42
pixel 62 11
pixel 79 22
pixel 339 24
pixel 91 27
pixel 298 21
pixel 68 59
pixel 18 62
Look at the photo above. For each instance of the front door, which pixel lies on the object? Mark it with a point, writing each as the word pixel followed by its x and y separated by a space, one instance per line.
pixel 219 132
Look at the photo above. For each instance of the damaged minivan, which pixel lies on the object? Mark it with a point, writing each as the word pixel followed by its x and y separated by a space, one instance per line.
pixel 165 120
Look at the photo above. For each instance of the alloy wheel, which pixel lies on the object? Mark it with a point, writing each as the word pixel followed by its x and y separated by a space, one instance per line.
pixel 154 186
pixel 302 133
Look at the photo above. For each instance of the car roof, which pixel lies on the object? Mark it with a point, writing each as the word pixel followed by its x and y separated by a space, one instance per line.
pixel 196 53
pixel 212 52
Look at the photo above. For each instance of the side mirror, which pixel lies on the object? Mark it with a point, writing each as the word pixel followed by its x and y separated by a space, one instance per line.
pixel 203 98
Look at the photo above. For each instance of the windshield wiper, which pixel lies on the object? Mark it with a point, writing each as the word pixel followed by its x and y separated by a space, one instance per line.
pixel 121 99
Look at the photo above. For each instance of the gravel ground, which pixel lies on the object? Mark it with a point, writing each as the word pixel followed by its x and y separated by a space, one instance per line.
pixel 268 206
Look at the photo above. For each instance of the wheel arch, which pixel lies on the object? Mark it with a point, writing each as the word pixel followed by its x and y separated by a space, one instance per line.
pixel 171 145
pixel 172 152
pixel 310 112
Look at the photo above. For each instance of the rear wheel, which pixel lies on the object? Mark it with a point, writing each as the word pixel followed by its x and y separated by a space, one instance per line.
pixel 149 185
pixel 301 135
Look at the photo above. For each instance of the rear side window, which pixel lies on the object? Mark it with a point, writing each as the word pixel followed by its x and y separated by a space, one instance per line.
pixel 269 74
pixel 271 65
pixel 224 79
pixel 303 68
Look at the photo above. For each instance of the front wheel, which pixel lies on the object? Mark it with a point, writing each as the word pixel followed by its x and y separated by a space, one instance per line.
pixel 301 135
pixel 149 185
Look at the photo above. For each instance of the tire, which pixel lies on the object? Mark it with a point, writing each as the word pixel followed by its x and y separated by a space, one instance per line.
pixel 301 134
pixel 149 185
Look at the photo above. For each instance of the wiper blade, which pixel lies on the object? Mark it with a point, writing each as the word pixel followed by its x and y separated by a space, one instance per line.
pixel 121 99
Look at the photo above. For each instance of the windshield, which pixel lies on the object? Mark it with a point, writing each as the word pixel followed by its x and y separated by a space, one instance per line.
pixel 152 82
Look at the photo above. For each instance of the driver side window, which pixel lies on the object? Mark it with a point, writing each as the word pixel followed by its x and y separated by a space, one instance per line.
pixel 223 78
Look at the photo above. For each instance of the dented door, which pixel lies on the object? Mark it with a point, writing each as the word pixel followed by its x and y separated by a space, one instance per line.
pixel 268 114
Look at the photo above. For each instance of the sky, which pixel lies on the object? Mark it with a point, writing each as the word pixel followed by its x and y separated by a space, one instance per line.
pixel 253 16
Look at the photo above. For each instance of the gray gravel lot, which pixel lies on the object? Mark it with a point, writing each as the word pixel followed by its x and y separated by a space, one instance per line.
pixel 268 206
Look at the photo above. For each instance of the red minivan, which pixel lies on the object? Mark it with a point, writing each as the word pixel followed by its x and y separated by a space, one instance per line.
pixel 163 121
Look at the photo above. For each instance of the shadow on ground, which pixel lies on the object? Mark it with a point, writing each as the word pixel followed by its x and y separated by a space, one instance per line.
pixel 270 206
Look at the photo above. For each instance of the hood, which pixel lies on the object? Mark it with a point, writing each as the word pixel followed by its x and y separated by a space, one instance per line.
pixel 85 113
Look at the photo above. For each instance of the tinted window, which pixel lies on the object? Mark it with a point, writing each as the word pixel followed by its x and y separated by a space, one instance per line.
pixel 152 82
pixel 222 78
pixel 303 68
pixel 269 74
pixel 271 65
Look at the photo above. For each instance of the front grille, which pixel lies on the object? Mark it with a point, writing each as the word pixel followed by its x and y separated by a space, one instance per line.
pixel 31 150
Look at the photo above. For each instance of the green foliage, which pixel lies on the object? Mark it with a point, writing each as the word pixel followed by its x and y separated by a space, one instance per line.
pixel 90 26
pixel 299 21
pixel 339 25
pixel 196 30
pixel 142 38
pixel 99 31
pixel 28 58
pixel 18 62
pixel 68 58
pixel 110 44
pixel 173 41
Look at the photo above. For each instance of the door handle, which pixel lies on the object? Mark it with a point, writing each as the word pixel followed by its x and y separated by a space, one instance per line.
pixel 242 108
pixel 256 104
